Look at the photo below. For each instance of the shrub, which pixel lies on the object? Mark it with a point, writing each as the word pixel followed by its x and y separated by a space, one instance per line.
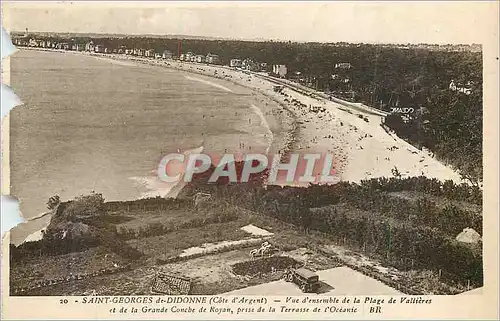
pixel 53 202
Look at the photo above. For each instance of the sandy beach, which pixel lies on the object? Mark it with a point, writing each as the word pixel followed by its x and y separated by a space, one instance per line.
pixel 362 149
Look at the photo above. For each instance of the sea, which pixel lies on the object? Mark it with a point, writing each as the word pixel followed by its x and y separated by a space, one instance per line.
pixel 93 124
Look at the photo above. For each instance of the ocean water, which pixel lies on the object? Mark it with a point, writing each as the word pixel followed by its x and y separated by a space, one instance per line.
pixel 90 124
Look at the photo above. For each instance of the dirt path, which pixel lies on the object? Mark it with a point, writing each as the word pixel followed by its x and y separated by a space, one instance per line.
pixel 336 281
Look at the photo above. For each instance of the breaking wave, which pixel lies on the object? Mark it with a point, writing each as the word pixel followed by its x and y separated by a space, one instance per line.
pixel 208 82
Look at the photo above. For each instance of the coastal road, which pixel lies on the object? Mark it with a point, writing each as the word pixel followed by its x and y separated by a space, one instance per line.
pixel 336 281
pixel 301 89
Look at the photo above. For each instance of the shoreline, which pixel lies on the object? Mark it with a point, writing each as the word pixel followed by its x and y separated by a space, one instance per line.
pixel 283 143
pixel 285 124
pixel 361 147
pixel 304 136
pixel 350 125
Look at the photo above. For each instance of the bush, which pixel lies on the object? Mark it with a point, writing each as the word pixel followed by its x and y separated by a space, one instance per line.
pixel 53 202
pixel 83 206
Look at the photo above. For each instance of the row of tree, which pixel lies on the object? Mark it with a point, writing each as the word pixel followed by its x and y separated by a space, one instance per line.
pixel 425 185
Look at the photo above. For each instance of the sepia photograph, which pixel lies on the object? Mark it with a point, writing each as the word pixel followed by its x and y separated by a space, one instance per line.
pixel 244 149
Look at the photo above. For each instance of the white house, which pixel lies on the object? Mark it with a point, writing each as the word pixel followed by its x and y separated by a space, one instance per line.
pixel 236 63
pixel 89 46
pixel 167 54
pixel 188 56
pixel 139 52
pixel 343 65
pixel 78 47
pixel 460 88
pixel 212 59
pixel 280 70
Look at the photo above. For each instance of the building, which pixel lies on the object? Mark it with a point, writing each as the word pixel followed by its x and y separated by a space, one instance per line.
pixel 212 59
pixel 235 63
pixel 63 46
pixel 343 65
pixel 78 47
pixel 139 52
pixel 461 89
pixel 249 64
pixel 246 63
pixel 189 55
pixel 200 58
pixel 150 53
pixel 98 48
pixel 167 54
pixel 37 43
pixel 20 42
pixel 89 46
pixel 182 57
pixel 280 70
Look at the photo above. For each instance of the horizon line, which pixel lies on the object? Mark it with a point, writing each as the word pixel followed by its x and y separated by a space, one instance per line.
pixel 257 39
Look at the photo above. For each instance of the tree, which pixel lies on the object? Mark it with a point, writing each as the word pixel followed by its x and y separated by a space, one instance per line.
pixel 395 172
pixel 53 202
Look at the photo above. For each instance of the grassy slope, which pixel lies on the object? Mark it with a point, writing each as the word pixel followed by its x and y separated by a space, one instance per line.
pixel 276 210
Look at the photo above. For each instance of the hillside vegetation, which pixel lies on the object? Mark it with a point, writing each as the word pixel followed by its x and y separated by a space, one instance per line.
pixel 407 233
pixel 376 218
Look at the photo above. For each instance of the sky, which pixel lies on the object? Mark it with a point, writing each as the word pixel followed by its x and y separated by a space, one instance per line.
pixel 370 22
